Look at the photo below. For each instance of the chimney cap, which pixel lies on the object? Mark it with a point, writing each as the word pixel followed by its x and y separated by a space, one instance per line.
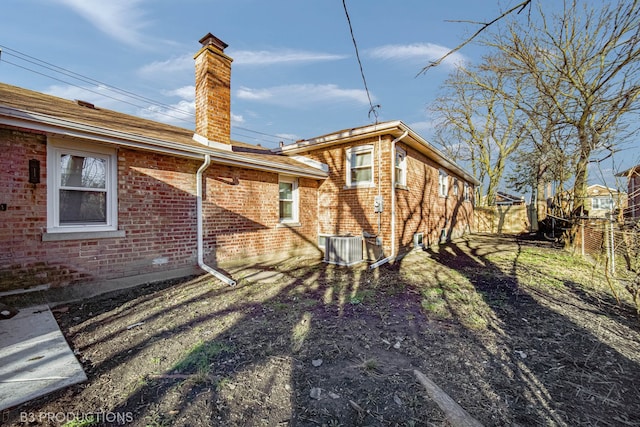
pixel 211 40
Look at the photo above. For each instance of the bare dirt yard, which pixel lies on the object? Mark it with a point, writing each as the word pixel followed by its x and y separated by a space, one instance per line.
pixel 516 331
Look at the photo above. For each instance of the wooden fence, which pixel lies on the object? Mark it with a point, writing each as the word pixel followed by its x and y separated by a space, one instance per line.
pixel 502 219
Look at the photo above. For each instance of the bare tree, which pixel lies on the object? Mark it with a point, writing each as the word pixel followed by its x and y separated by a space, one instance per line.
pixel 547 156
pixel 585 61
pixel 479 111
pixel 518 8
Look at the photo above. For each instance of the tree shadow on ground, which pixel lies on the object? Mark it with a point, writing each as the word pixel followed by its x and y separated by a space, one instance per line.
pixel 547 365
pixel 201 353
pixel 306 343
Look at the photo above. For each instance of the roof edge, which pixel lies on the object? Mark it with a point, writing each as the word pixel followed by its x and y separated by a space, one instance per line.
pixel 395 128
pixel 45 123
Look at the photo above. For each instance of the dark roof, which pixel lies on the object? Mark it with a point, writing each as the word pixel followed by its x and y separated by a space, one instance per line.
pixel 103 121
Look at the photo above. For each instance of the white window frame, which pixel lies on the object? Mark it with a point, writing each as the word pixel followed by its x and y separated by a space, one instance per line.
pixel 602 203
pixel 55 149
pixel 443 183
pixel 401 167
pixel 295 200
pixel 349 162
pixel 455 186
pixel 467 192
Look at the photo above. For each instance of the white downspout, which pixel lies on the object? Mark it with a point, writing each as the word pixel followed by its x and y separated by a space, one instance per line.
pixel 393 204
pixel 201 264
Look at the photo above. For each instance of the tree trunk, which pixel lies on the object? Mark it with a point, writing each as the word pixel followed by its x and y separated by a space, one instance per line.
pixel 579 194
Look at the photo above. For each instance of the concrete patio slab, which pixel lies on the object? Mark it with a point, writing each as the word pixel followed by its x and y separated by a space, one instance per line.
pixel 35 358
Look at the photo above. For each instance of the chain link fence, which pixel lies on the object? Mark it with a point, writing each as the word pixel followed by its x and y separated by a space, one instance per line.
pixel 615 247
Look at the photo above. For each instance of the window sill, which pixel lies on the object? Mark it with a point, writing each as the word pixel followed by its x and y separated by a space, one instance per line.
pixel 288 224
pixel 401 187
pixel 82 235
pixel 356 186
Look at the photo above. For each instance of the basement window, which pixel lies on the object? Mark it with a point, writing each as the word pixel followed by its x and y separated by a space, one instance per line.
pixel 322 240
pixel 418 240
pixel 81 188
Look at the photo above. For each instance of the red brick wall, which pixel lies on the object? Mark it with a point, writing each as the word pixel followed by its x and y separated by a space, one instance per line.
pixel 157 211
pixel 242 215
pixel 22 223
pixel 350 211
pixel 420 208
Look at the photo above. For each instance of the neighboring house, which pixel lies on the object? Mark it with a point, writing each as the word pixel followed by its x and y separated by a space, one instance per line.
pixel 633 192
pixel 91 194
pixel 504 199
pixel 604 201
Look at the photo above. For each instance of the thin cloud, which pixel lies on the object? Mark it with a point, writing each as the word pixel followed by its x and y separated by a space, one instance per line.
pixel 241 57
pixel 423 126
pixel 172 65
pixel 417 51
pixel 185 92
pixel 237 119
pixel 122 20
pixel 180 113
pixel 300 95
pixel 282 56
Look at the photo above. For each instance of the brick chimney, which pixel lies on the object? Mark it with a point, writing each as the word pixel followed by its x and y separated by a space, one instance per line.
pixel 213 92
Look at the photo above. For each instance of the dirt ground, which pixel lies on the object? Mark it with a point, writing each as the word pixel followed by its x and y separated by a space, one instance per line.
pixel 516 331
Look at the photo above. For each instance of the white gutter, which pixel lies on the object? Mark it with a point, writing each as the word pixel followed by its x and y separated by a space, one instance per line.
pixel 393 203
pixel 201 264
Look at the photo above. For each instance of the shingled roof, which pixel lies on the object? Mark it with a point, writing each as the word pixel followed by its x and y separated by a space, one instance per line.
pixel 34 110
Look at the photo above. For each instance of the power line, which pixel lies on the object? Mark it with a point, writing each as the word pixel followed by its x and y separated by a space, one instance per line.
pixel 265 134
pixel 60 70
pixel 95 92
pixel 128 94
pixel 373 108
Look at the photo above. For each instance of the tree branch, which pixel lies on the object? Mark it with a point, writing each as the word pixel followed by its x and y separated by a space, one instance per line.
pixel 520 7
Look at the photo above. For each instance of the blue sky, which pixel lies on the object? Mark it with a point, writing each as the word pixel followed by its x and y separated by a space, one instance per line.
pixel 294 74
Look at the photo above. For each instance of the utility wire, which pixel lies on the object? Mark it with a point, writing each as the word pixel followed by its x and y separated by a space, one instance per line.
pixel 68 73
pixel 265 134
pixel 84 79
pixel 87 89
pixel 373 109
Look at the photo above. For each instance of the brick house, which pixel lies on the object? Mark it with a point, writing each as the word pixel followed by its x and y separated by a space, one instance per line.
pixel 632 210
pixel 90 194
pixel 387 182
